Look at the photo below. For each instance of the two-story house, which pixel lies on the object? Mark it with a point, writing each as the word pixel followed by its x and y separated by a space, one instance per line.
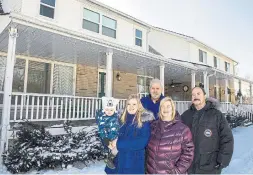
pixel 56 63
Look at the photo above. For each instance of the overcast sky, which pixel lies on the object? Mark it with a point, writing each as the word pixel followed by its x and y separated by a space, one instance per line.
pixel 226 25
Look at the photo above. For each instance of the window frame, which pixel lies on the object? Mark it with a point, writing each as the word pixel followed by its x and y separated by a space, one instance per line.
pixel 83 18
pixel 136 37
pixel 102 26
pixel 49 6
pixel 201 52
pixel 227 67
pixel 215 65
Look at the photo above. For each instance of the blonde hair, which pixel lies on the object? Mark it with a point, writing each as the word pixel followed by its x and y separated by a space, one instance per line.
pixel 172 106
pixel 139 111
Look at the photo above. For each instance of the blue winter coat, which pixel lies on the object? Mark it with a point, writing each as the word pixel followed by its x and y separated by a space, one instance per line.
pixel 149 105
pixel 131 146
pixel 108 126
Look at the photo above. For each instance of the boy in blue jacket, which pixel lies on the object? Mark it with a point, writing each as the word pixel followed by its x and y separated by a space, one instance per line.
pixel 108 126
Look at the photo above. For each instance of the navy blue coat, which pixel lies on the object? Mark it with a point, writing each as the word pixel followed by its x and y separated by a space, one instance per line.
pixel 131 145
pixel 108 126
pixel 149 105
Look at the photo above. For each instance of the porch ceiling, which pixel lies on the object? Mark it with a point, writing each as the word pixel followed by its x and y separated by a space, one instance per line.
pixel 35 42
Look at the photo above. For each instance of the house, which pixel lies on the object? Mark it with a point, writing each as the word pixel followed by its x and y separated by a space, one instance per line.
pixel 56 64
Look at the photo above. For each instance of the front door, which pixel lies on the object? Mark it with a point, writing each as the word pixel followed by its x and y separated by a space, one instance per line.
pixel 101 84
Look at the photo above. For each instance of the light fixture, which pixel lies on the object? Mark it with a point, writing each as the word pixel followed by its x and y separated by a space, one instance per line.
pixel 118 77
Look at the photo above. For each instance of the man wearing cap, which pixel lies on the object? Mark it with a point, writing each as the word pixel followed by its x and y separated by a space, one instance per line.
pixel 211 133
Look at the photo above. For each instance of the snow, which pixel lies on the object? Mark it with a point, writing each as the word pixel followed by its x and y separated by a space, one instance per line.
pixel 241 163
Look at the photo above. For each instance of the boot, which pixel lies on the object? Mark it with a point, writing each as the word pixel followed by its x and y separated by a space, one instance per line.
pixel 109 161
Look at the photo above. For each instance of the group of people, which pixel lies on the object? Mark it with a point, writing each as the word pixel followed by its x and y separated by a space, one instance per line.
pixel 150 137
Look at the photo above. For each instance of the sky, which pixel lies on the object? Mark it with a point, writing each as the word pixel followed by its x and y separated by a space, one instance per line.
pixel 225 25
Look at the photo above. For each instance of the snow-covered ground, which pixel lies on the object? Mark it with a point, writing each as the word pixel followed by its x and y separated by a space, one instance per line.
pixel 242 161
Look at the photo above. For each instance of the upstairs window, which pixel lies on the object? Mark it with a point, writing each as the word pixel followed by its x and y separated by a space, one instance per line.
pixel 202 56
pixel 91 20
pixel 138 37
pixel 215 62
pixel 227 67
pixel 109 27
pixel 47 8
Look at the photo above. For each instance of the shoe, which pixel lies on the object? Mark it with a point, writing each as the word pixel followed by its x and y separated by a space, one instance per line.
pixel 109 163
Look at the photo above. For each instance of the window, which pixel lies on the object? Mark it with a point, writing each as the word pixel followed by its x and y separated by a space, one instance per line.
pixel 91 20
pixel 39 75
pixel 109 27
pixel 227 67
pixel 202 56
pixel 143 83
pixel 47 8
pixel 138 38
pixel 18 76
pixel 63 84
pixel 215 64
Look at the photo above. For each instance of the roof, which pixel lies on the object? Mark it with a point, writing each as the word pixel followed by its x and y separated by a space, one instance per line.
pixel 157 28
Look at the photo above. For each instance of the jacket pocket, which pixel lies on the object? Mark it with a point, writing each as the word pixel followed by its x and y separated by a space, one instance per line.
pixel 207 161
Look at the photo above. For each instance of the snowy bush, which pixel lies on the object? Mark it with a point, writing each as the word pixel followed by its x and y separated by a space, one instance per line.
pixel 36 148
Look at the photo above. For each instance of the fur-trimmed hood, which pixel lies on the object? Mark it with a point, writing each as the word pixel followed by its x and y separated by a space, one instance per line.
pixel 210 103
pixel 145 117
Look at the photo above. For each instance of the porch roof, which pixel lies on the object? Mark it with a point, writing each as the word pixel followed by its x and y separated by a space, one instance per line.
pixel 42 39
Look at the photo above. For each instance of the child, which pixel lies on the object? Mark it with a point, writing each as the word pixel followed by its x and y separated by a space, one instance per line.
pixel 108 126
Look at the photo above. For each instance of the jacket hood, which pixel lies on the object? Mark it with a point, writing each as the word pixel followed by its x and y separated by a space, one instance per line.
pixel 146 115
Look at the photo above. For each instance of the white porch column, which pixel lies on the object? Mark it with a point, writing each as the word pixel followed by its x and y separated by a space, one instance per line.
pixel 193 81
pixel 226 90
pixel 205 82
pixel 13 34
pixel 109 73
pixel 162 66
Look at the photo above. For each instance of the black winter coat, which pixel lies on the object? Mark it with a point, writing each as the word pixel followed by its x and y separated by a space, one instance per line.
pixel 212 137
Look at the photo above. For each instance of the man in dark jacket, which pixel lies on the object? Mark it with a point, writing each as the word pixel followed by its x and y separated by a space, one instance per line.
pixel 212 136
pixel 152 101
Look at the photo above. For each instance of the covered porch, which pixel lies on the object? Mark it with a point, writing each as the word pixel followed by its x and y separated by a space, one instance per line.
pixel 55 74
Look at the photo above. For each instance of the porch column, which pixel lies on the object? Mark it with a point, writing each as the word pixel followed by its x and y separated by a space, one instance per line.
pixel 205 82
pixel 13 34
pixel 226 90
pixel 109 73
pixel 193 81
pixel 162 66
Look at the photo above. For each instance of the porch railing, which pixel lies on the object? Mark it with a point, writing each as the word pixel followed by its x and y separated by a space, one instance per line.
pixel 46 107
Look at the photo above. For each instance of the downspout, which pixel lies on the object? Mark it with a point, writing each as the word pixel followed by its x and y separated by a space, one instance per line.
pixel 147 40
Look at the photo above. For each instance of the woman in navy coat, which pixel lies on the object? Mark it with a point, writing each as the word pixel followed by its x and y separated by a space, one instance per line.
pixel 133 138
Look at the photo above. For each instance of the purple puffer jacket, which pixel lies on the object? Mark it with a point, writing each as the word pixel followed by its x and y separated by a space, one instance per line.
pixel 170 149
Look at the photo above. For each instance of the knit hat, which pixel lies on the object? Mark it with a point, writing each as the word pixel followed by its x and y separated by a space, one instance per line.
pixel 109 102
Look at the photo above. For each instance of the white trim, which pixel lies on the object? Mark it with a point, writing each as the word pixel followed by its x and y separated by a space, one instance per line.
pixel 145 76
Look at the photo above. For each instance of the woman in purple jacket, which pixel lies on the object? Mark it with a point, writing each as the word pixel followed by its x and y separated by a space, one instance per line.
pixel 170 149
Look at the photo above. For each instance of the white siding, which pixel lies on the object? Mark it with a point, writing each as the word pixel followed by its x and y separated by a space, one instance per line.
pixel 169 46
pixel 70 15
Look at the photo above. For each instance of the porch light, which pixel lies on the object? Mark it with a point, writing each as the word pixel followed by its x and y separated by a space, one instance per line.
pixel 118 77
